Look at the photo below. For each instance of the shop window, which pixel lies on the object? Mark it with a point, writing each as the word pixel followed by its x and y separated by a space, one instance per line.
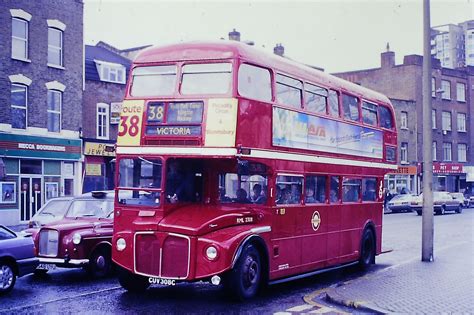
pixel 31 167
pixel 11 166
pixel 52 167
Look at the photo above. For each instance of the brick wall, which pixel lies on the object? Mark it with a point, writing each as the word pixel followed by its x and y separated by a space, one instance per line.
pixel 69 12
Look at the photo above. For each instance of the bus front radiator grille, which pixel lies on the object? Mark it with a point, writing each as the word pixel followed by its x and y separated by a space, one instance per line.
pixel 175 259
pixel 147 254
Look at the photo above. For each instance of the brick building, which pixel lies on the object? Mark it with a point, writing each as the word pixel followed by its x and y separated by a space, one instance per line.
pixel 452 119
pixel 41 53
pixel 105 77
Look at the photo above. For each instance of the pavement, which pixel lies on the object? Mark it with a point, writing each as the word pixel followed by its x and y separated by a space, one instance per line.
pixel 445 285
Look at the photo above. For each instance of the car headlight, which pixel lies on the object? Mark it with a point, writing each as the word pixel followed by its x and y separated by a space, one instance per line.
pixel 211 253
pixel 76 238
pixel 120 244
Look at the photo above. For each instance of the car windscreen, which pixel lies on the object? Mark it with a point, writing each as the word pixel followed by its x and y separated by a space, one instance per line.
pixel 94 208
pixel 54 208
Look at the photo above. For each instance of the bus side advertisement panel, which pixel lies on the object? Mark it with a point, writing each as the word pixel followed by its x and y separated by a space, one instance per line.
pixel 302 131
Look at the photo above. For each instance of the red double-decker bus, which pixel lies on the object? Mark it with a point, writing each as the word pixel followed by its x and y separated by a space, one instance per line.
pixel 244 168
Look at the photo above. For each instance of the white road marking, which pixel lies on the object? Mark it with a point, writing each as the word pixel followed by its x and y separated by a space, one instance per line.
pixel 300 308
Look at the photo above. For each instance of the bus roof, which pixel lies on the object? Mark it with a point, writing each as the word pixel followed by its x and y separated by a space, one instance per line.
pixel 218 50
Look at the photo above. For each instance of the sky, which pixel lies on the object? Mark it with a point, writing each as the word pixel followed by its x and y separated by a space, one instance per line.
pixel 337 35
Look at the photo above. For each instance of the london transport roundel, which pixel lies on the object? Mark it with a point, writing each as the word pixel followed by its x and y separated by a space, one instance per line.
pixel 316 220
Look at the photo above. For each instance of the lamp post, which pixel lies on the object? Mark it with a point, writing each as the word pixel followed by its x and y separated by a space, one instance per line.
pixel 427 219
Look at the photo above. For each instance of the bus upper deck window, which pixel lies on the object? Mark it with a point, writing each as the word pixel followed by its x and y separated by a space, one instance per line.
pixel 386 120
pixel 255 82
pixel 206 78
pixel 350 105
pixel 315 98
pixel 369 113
pixel 333 103
pixel 288 91
pixel 153 81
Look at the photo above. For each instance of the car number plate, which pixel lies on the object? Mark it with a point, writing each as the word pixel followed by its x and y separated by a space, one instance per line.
pixel 46 267
pixel 161 281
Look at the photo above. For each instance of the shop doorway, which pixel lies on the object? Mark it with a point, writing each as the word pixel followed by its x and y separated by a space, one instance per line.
pixel 31 196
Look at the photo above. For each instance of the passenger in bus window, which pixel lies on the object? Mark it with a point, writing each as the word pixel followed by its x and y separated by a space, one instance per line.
pixel 222 196
pixel 179 184
pixel 309 198
pixel 258 194
pixel 285 198
pixel 369 193
pixel 242 196
pixel 295 194
pixel 334 192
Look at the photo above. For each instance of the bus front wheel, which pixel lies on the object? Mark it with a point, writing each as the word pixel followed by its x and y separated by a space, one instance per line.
pixel 132 282
pixel 367 250
pixel 245 278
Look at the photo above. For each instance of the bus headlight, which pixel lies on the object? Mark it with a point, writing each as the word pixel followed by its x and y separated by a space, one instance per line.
pixel 211 253
pixel 121 244
pixel 76 238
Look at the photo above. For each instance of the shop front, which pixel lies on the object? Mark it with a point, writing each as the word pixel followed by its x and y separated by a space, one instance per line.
pixel 405 178
pixel 35 170
pixel 448 177
pixel 99 161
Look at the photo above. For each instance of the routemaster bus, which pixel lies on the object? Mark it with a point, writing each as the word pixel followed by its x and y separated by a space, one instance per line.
pixel 244 169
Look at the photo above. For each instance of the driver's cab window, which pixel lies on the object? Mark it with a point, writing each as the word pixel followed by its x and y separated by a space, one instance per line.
pixel 288 189
pixel 184 180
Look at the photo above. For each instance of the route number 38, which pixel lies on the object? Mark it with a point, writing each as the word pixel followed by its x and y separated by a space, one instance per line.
pixel 129 125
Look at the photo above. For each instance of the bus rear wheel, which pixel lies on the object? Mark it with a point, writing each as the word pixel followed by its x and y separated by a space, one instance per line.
pixel 367 250
pixel 245 278
pixel 132 282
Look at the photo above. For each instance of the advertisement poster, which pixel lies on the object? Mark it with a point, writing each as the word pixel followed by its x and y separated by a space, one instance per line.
pixel 296 130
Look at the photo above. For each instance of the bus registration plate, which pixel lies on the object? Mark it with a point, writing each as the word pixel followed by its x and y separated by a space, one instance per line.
pixel 161 281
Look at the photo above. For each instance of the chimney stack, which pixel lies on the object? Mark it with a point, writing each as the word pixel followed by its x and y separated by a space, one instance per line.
pixel 234 35
pixel 279 50
pixel 388 58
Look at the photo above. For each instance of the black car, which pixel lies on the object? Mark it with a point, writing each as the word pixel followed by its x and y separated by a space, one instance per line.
pixel 17 258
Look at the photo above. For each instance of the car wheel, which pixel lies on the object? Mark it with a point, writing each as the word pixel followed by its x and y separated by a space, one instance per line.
pixel 244 279
pixel 132 282
pixel 7 277
pixel 459 209
pixel 418 212
pixel 367 250
pixel 443 210
pixel 100 263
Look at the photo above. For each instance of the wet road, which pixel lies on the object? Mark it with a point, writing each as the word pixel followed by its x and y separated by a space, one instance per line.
pixel 72 291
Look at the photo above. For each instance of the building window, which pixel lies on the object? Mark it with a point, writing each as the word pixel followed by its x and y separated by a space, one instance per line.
pixel 19 39
pixel 433 118
pixel 404 153
pixel 55 100
pixel 404 120
pixel 447 153
pixel 434 147
pixel 446 87
pixel 111 72
pixel 460 92
pixel 461 122
pixel 433 87
pixel 462 152
pixel 55 47
pixel 446 121
pixel 19 100
pixel 103 121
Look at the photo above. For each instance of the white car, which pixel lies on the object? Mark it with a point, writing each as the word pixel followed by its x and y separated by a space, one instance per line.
pixel 442 202
pixel 400 203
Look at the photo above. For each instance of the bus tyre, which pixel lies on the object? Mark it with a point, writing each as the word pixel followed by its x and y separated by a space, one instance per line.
pixel 367 249
pixel 132 282
pixel 7 277
pixel 100 264
pixel 244 279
